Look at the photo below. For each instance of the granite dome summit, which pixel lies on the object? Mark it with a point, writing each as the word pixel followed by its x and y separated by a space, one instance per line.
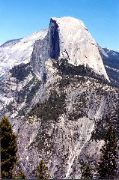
pixel 75 44
pixel 66 38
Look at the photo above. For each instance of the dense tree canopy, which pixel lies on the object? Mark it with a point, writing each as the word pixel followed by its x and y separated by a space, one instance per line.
pixel 108 164
pixel 8 148
pixel 42 171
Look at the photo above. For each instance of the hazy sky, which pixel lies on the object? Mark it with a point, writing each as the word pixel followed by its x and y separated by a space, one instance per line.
pixel 19 18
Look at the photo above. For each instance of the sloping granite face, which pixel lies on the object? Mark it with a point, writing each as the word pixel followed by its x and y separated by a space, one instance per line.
pixel 39 57
pixel 54 51
pixel 59 129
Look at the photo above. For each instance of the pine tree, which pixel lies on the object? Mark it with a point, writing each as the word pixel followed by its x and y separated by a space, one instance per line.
pixel 20 175
pixel 107 166
pixel 8 148
pixel 86 171
pixel 17 172
pixel 42 171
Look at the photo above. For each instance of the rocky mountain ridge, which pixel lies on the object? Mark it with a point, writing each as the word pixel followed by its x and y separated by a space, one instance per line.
pixel 55 97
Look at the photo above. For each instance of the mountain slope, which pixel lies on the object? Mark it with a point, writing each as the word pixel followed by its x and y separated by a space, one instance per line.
pixel 54 95
pixel 62 125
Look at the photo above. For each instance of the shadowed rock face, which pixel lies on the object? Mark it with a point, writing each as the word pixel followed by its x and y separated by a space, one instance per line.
pixel 54 51
pixel 111 62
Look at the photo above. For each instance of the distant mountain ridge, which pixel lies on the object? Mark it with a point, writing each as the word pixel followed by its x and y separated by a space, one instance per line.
pixel 10 42
pixel 111 62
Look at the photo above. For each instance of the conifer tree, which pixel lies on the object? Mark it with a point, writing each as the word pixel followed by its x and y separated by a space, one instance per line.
pixel 17 172
pixel 20 175
pixel 42 171
pixel 86 171
pixel 107 166
pixel 8 148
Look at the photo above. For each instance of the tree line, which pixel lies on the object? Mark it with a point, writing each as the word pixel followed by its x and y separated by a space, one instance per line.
pixel 10 168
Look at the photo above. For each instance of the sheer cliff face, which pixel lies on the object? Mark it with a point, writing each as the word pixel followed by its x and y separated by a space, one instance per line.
pixel 52 91
pixel 54 43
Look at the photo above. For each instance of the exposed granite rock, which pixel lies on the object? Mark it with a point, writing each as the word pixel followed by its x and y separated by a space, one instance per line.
pixel 57 106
